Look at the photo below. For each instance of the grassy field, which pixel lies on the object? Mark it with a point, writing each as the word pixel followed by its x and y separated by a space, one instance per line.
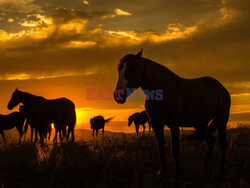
pixel 121 160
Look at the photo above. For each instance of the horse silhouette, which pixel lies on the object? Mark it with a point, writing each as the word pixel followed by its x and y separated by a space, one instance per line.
pixel 139 118
pixel 47 129
pixel 28 122
pixel 14 119
pixel 98 122
pixel 184 102
pixel 43 112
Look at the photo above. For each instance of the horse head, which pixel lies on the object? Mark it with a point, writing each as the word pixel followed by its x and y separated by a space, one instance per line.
pixel 130 120
pixel 91 123
pixel 15 99
pixel 22 109
pixel 130 70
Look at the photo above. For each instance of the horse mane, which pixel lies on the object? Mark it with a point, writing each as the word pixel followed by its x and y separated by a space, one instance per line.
pixel 34 97
pixel 158 67
pixel 157 73
pixel 133 115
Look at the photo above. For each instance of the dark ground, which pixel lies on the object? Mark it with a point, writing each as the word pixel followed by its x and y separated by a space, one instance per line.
pixel 121 160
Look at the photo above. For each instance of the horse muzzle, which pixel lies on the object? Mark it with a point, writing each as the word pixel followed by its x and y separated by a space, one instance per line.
pixel 10 107
pixel 120 96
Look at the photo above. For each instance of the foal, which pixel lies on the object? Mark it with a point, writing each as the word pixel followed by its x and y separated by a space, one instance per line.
pixel 7 122
pixel 98 122
pixel 139 119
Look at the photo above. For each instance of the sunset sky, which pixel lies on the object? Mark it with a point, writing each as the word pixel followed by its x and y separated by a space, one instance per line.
pixel 59 48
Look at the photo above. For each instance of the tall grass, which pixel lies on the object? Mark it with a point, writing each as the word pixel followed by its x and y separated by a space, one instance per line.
pixel 121 160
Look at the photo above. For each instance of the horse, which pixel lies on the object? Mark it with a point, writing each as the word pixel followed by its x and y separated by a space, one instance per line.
pixel 14 119
pixel 43 112
pixel 47 129
pixel 139 119
pixel 202 103
pixel 98 122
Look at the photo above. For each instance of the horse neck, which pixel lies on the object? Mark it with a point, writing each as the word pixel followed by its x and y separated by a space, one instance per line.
pixel 156 76
pixel 133 117
pixel 28 100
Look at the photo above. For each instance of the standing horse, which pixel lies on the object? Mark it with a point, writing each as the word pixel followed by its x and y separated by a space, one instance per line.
pixel 139 119
pixel 98 122
pixel 7 122
pixel 184 102
pixel 43 112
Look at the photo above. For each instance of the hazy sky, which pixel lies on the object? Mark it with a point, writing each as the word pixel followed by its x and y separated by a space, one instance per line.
pixel 58 48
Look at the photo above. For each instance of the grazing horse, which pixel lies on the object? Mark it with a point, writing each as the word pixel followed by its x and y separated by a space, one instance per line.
pixel 98 122
pixel 7 122
pixel 139 119
pixel 182 102
pixel 43 112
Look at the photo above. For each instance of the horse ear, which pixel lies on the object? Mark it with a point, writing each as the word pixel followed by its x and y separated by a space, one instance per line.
pixel 139 54
pixel 16 89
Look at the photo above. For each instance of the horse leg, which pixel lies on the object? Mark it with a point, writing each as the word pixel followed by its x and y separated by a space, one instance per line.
pixel 49 135
pixel 64 131
pixel 55 137
pixel 175 147
pixel 60 136
pixel 210 139
pixel 31 134
pixel 143 129
pixel 223 143
pixel 73 135
pixel 149 126
pixel 137 129
pixel 93 132
pixel 20 131
pixel 158 128
pixel 96 132
pixel 41 134
pixel 3 137
pixel 36 135
pixel 71 130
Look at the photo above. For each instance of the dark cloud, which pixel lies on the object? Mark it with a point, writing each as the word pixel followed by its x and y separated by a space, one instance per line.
pixel 218 47
pixel 64 15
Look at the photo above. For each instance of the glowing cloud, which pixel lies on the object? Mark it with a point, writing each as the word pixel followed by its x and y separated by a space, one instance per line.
pixel 10 20
pixel 122 12
pixel 117 12
pixel 80 44
pixel 85 2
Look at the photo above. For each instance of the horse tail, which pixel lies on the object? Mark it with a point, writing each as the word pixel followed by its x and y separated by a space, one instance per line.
pixel 107 120
pixel 223 110
pixel 72 120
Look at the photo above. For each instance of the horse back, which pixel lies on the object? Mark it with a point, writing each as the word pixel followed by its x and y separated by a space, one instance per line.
pixel 54 108
pixel 11 120
pixel 98 122
pixel 190 102
pixel 202 98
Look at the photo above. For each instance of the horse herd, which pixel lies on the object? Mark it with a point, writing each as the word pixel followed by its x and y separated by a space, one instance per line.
pixel 17 119
pixel 202 103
